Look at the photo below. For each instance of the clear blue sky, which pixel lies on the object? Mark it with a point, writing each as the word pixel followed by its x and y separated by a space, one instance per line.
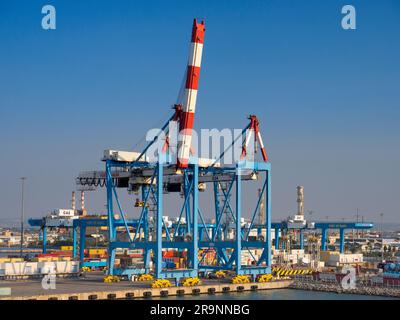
pixel 328 99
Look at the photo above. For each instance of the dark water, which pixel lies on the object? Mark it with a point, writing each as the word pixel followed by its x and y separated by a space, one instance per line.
pixel 280 294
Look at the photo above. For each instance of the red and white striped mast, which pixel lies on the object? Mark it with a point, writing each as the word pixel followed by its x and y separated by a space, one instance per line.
pixel 190 94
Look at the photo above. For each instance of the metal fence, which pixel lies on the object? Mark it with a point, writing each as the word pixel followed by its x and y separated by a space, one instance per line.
pixel 360 283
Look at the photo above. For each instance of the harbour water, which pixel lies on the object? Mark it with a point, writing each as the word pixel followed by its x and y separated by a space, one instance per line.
pixel 281 294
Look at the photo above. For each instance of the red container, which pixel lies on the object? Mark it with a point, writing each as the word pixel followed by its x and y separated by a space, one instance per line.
pixel 47 255
pixel 168 254
pixel 391 281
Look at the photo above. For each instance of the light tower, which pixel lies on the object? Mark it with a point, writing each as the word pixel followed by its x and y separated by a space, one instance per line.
pixel 83 209
pixel 73 202
pixel 300 201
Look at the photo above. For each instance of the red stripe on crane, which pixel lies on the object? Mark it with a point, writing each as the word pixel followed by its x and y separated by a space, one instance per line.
pixel 264 154
pixel 198 31
pixel 183 163
pixel 188 121
pixel 192 78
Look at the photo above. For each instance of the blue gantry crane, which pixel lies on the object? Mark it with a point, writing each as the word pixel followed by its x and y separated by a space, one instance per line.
pixel 78 227
pixel 322 227
pixel 189 231
pixel 182 171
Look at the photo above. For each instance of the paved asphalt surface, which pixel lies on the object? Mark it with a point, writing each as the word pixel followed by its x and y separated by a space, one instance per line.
pixel 90 282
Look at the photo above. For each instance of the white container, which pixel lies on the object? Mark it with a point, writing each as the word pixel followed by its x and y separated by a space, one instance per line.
pixel 64 212
pixel 13 268
pixel 18 268
pixel 46 267
pixel 344 258
pixel 30 268
pixel 62 267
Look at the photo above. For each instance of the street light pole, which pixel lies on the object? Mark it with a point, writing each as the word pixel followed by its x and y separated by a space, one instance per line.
pixel 310 212
pixel 357 215
pixel 22 214
pixel 381 214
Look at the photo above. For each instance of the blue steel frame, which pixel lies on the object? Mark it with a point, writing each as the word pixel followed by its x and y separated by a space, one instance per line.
pixel 156 245
pixel 191 226
pixel 81 225
pixel 193 214
pixel 232 261
pixel 324 227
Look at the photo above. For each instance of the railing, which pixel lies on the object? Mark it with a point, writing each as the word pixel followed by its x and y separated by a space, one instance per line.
pixel 360 283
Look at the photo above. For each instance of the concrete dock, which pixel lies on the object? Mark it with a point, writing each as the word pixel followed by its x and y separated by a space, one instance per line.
pixel 92 287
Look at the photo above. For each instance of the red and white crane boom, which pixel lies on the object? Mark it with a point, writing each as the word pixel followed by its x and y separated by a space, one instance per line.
pixel 190 94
